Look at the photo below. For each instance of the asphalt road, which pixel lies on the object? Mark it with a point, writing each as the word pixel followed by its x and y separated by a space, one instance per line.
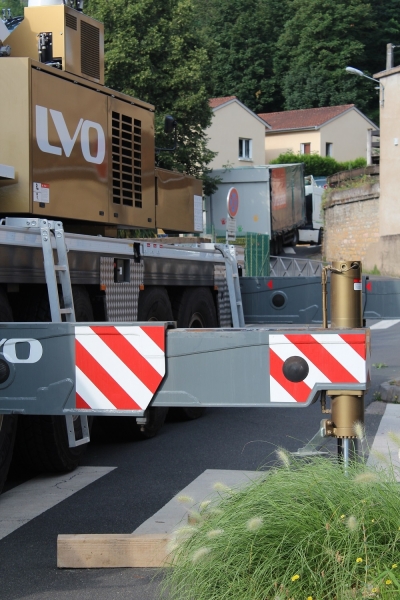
pixel 147 475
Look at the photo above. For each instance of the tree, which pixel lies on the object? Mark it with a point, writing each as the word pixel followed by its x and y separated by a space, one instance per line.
pixel 244 33
pixel 16 7
pixel 154 52
pixel 319 40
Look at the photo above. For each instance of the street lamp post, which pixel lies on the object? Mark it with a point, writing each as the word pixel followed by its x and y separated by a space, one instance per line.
pixel 354 71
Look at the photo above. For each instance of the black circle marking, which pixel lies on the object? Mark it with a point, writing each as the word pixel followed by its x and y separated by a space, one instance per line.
pixel 295 369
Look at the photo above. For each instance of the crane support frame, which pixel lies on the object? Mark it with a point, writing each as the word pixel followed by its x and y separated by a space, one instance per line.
pixel 123 368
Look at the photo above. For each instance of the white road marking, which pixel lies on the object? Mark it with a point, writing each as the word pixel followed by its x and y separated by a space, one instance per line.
pixel 385 324
pixel 175 513
pixel 29 500
pixel 289 250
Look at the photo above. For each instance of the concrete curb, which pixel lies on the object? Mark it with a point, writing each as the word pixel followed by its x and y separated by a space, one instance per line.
pixel 390 391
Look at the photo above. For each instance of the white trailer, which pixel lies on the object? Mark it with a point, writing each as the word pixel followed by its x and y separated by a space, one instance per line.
pixel 311 232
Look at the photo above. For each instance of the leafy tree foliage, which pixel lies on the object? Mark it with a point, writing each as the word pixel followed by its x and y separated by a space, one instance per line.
pixel 16 7
pixel 319 40
pixel 154 52
pixel 244 33
pixel 318 166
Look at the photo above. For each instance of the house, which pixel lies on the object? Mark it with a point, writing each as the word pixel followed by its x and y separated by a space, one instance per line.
pixel 236 133
pixel 337 131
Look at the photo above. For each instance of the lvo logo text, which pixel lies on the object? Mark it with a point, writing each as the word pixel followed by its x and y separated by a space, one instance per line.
pixel 67 142
pixel 31 349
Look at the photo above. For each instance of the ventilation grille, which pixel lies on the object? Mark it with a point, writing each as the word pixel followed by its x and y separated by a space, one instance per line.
pixel 90 50
pixel 127 160
pixel 71 21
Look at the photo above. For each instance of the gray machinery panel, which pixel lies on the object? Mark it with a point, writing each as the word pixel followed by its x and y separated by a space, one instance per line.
pixel 224 305
pixel 382 299
pixel 122 296
pixel 296 300
pixel 216 367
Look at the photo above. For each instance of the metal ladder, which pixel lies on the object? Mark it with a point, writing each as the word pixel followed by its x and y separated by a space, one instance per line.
pixel 49 229
pixel 232 280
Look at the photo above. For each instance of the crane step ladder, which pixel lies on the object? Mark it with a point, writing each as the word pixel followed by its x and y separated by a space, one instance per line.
pixel 48 231
pixel 232 280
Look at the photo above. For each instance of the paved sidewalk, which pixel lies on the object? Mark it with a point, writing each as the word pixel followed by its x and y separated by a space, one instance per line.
pixel 382 445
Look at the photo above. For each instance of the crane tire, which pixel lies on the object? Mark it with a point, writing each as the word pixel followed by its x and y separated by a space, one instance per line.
pixel 42 440
pixel 187 413
pixel 196 309
pixel 8 423
pixel 154 305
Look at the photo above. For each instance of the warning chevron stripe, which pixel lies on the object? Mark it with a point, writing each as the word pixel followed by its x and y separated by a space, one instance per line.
pixel 118 367
pixel 322 358
pixel 129 355
pixel 300 390
pixel 331 358
pixel 104 382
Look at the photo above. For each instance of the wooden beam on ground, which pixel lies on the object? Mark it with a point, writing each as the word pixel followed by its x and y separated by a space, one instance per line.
pixel 99 551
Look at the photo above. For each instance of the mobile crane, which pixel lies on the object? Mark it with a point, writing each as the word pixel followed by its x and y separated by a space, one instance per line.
pixel 76 150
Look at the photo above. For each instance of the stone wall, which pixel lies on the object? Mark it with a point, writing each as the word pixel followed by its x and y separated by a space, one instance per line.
pixel 352 224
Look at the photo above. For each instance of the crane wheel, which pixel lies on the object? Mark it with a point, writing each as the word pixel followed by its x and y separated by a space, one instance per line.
pixel 42 441
pixel 195 309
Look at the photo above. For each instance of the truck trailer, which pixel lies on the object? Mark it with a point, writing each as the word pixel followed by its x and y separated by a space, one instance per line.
pixel 271 202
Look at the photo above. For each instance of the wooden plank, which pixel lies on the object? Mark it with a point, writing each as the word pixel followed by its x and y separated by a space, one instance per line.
pixel 99 551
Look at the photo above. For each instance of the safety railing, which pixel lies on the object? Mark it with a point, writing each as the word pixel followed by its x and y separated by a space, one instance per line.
pixel 282 266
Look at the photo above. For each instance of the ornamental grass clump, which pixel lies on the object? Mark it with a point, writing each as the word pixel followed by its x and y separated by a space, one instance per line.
pixel 302 531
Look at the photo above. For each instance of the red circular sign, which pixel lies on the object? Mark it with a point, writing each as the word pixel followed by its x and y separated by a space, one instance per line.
pixel 233 202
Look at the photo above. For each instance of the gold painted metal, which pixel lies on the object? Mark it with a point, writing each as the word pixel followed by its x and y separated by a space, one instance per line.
pixel 67 41
pixel 324 297
pixel 15 133
pixel 346 298
pixel 175 200
pixel 131 163
pixel 56 122
pixel 78 188
pixel 347 407
pixel 346 411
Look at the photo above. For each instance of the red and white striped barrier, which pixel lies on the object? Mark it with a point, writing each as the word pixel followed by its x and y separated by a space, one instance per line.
pixel 330 358
pixel 118 368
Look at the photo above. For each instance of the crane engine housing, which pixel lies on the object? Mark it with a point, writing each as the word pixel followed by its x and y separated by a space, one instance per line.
pixel 81 151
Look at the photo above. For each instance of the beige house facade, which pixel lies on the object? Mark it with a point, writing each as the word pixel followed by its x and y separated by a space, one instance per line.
pixel 337 131
pixel 236 134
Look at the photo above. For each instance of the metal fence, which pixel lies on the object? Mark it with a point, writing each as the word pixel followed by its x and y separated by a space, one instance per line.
pixel 282 266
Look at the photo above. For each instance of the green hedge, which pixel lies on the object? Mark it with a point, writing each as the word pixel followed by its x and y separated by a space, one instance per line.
pixel 319 166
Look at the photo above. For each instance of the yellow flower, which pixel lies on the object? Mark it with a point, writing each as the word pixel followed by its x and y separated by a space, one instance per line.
pixel 309 598
pixel 372 520
pixel 359 560
pixel 343 516
pixel 388 581
pixel 295 577
pixel 375 590
pixel 394 566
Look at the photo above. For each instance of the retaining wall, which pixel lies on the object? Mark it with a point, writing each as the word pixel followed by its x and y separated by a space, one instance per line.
pixel 352 224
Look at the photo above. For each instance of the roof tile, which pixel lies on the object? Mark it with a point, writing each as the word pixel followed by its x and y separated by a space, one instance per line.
pixel 309 117
pixel 214 102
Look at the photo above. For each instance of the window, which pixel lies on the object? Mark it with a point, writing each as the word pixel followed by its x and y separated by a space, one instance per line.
pixel 305 148
pixel 328 149
pixel 245 149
